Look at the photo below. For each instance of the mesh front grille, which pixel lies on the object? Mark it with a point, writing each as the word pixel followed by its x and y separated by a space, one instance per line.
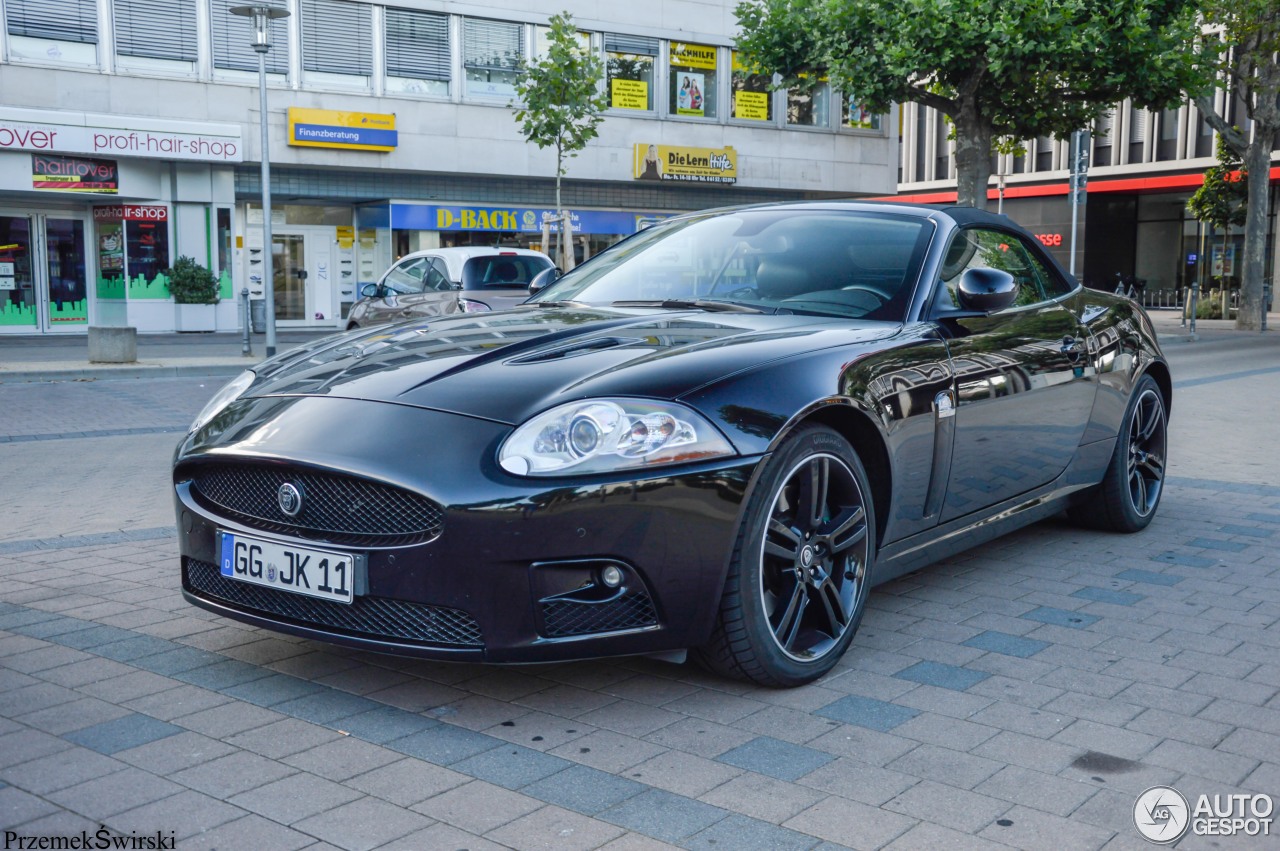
pixel 335 508
pixel 570 617
pixel 369 617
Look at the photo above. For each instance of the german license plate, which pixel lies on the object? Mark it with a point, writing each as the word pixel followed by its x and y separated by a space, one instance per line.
pixel 316 573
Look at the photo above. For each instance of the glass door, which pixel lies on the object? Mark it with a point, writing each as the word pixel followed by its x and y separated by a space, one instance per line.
pixel 289 277
pixel 18 307
pixel 43 274
pixel 66 275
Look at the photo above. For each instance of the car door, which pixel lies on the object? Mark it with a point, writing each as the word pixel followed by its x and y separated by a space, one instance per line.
pixel 1024 383
pixel 438 295
pixel 397 289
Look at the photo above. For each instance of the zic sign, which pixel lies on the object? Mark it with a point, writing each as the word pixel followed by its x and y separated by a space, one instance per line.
pixel 131 213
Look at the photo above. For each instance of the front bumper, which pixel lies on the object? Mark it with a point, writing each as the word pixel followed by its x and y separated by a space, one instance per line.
pixel 507 578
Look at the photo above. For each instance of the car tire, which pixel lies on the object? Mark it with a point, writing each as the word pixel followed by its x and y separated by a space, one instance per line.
pixel 1127 497
pixel 798 580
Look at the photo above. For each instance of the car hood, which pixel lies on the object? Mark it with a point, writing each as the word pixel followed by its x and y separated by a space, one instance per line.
pixel 508 365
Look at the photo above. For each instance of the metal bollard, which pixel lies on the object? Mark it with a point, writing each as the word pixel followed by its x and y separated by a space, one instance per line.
pixel 245 348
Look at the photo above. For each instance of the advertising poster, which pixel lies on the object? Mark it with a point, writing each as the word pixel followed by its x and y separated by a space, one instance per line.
pixel 74 174
pixel 111 247
pixel 753 106
pixel 628 94
pixel 859 116
pixel 695 165
pixel 7 279
pixel 689 98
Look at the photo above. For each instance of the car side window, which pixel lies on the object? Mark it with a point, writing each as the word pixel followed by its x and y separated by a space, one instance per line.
pixel 437 276
pixel 1052 284
pixel 406 277
pixel 977 248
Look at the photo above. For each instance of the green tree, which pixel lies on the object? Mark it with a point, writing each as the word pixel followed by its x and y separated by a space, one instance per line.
pixel 1244 57
pixel 561 103
pixel 1018 68
pixel 1222 199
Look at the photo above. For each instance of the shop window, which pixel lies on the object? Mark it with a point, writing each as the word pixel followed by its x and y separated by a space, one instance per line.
pixel 1137 133
pixel 853 113
pixel 418 52
pixel 232 36
pixel 1102 132
pixel 156 29
pixel 629 71
pixel 147 248
pixel 1204 139
pixel 1044 153
pixel 941 147
pixel 811 108
pixel 692 89
pixel 542 46
pixel 60 30
pixel 1167 144
pixel 223 243
pixel 752 97
pixel 337 40
pixel 918 159
pixel 491 53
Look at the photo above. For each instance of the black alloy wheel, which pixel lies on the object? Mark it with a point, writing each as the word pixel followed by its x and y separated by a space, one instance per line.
pixel 800 574
pixel 1127 497
pixel 1147 450
pixel 813 557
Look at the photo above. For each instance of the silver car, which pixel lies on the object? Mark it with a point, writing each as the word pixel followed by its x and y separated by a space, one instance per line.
pixel 441 281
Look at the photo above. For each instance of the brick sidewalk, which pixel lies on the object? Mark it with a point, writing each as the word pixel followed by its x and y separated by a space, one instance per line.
pixel 1021 694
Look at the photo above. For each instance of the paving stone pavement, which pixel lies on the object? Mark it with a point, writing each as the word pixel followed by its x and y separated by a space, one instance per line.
pixel 1020 694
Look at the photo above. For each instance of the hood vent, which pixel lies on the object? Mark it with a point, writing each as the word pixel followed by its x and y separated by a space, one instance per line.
pixel 577 347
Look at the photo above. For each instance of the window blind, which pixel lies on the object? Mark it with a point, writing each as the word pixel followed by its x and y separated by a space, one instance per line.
pixel 417 45
pixel 492 44
pixel 158 29
pixel 64 20
pixel 337 37
pixel 614 43
pixel 232 37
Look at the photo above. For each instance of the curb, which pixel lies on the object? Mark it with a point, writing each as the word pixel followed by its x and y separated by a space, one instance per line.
pixel 92 374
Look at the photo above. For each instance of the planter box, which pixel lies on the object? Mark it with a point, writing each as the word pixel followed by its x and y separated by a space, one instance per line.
pixel 196 317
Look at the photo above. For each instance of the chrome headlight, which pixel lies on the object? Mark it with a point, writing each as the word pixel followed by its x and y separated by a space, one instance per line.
pixel 603 435
pixel 228 394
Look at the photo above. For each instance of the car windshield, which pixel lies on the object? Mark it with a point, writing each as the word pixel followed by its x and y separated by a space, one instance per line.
pixel 825 262
pixel 502 271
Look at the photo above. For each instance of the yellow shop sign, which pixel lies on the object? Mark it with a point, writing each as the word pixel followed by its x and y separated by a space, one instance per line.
pixel 353 131
pixel 695 165
pixel 693 55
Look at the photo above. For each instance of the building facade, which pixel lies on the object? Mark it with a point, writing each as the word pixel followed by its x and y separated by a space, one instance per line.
pixel 129 136
pixel 1143 166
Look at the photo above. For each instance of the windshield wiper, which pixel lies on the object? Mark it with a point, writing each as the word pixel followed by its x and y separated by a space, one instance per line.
pixel 697 303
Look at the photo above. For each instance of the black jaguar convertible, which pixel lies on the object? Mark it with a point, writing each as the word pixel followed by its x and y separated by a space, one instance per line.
pixel 714 437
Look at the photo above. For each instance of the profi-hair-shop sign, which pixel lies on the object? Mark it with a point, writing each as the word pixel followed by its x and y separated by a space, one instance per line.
pixel 58 132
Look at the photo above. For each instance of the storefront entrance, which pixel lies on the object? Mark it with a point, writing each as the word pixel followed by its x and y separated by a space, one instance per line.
pixel 303 276
pixel 44 273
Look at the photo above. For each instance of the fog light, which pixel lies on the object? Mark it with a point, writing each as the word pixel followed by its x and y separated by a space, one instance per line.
pixel 611 576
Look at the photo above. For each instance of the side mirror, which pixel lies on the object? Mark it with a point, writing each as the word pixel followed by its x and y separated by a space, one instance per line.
pixel 369 290
pixel 987 290
pixel 543 279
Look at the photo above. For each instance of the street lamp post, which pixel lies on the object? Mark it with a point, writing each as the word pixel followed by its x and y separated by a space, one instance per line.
pixel 262 15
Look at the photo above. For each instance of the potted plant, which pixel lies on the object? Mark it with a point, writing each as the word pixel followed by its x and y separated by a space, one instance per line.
pixel 195 292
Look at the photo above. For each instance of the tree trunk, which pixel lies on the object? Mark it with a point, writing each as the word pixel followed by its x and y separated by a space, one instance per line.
pixel 558 256
pixel 1258 162
pixel 973 157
